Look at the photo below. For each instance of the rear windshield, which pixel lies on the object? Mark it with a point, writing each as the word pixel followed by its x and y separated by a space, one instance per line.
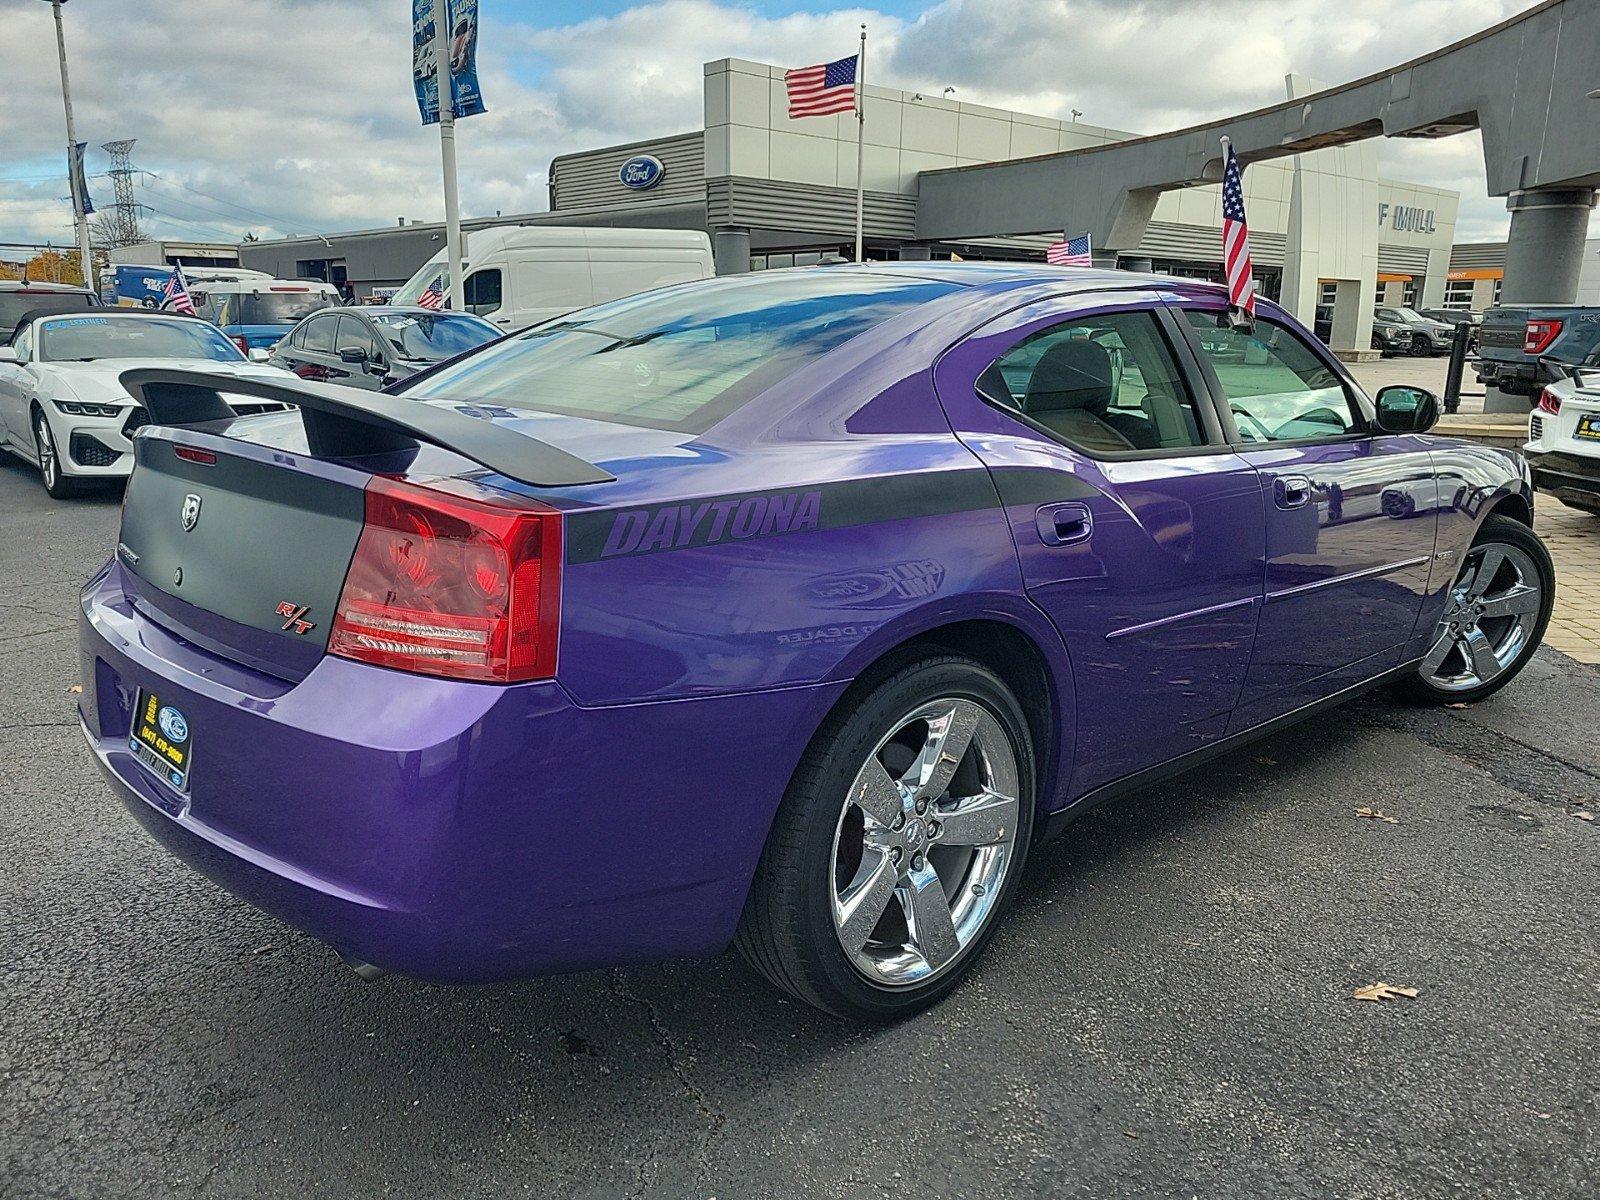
pixel 79 339
pixel 258 308
pixel 681 358
pixel 428 337
pixel 15 305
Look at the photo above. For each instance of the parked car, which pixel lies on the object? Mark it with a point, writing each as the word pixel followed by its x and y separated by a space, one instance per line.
pixel 1454 317
pixel 19 298
pixel 1428 337
pixel 62 407
pixel 1522 348
pixel 1390 335
pixel 519 275
pixel 256 313
pixel 1564 440
pixel 778 609
pixel 373 347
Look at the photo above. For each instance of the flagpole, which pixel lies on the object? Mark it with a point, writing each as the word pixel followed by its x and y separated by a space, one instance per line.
pixel 80 219
pixel 447 150
pixel 861 133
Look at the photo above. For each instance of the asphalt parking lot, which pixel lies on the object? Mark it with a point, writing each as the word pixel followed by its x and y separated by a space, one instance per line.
pixel 1168 1013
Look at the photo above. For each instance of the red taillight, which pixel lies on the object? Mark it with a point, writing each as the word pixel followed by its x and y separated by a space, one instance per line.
pixel 1549 402
pixel 449 583
pixel 240 341
pixel 196 455
pixel 1538 335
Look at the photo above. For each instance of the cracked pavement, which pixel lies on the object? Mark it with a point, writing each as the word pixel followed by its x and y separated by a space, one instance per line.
pixel 1167 1013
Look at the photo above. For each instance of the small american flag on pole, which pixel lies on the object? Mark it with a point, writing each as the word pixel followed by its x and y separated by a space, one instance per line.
pixel 176 292
pixel 823 89
pixel 1236 234
pixel 434 296
pixel 1072 252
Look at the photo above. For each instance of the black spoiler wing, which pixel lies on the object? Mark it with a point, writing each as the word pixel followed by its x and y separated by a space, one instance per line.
pixel 346 422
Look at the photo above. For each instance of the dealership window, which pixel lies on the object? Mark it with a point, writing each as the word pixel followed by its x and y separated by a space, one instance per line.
pixel 1328 292
pixel 1102 384
pixel 1458 294
pixel 1408 294
pixel 483 291
pixel 1497 283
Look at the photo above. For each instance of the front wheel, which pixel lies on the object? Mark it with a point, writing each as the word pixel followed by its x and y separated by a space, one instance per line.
pixel 898 844
pixel 58 485
pixel 1494 619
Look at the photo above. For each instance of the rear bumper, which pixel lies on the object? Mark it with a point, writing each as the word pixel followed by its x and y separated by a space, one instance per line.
pixel 451 831
pixel 1566 476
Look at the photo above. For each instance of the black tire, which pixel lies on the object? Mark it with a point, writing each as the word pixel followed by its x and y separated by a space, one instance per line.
pixel 1503 530
pixel 1422 346
pixel 58 485
pixel 787 929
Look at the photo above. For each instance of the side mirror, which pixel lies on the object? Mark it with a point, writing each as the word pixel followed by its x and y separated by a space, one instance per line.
pixel 257 354
pixel 8 354
pixel 352 354
pixel 1406 409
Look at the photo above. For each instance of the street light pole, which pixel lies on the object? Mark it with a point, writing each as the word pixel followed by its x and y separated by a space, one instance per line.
pixel 80 219
pixel 447 151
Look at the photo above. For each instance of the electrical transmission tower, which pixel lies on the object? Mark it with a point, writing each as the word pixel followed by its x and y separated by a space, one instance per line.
pixel 122 223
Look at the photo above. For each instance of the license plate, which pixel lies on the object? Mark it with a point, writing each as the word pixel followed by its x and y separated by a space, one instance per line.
pixel 1588 427
pixel 161 739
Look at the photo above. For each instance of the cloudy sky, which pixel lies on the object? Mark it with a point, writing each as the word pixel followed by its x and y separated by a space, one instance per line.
pixel 294 116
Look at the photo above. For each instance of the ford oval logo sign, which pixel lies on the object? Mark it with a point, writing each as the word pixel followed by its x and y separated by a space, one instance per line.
pixel 641 171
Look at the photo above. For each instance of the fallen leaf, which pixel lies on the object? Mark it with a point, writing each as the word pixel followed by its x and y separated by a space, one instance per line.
pixel 1376 814
pixel 76 688
pixel 1584 816
pixel 1383 991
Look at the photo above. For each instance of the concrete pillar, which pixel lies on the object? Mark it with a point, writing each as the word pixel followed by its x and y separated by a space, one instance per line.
pixel 915 252
pixel 1544 251
pixel 730 250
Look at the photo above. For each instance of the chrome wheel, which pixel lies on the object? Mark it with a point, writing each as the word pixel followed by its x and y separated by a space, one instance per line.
pixel 46 445
pixel 924 843
pixel 1489 618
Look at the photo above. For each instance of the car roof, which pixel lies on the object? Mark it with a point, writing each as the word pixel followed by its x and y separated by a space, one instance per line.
pixel 40 285
pixel 1003 275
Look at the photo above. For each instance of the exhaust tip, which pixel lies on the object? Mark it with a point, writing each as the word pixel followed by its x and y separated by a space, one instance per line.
pixel 364 970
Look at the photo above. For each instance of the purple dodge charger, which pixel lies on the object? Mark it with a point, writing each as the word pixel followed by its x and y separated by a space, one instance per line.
pixel 788 610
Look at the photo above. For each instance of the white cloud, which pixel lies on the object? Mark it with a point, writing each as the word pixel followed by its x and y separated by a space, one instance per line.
pixel 293 115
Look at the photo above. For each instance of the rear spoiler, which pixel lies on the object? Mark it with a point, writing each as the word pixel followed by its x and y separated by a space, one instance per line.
pixel 346 422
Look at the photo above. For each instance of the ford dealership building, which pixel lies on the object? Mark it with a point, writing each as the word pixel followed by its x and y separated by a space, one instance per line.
pixel 778 192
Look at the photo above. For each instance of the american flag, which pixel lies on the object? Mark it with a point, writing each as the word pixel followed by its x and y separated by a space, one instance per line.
pixel 434 296
pixel 823 89
pixel 176 292
pixel 1073 252
pixel 1236 236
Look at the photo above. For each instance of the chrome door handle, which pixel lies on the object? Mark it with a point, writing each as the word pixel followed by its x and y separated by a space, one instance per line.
pixel 1291 491
pixel 1064 524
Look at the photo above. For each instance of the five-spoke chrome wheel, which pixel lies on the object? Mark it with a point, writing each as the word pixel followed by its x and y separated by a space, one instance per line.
pixel 924 842
pixel 1489 621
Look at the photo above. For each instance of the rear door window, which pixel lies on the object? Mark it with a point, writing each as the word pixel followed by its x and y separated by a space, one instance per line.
pixel 1276 386
pixel 1102 384
pixel 318 334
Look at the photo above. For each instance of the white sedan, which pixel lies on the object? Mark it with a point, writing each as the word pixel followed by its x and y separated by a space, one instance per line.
pixel 1564 440
pixel 61 405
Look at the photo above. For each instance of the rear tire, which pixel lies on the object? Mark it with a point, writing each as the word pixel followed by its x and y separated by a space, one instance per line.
pixel 1495 617
pixel 58 485
pixel 851 906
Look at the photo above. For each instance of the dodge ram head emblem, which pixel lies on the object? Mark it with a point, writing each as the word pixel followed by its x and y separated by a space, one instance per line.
pixel 191 512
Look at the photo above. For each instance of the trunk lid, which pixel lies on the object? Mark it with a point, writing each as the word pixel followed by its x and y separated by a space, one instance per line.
pixel 240 548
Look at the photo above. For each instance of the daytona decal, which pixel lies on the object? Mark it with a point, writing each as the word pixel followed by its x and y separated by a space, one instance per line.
pixel 674 526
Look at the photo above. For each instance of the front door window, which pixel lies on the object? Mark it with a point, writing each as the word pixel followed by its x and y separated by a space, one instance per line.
pixel 1276 386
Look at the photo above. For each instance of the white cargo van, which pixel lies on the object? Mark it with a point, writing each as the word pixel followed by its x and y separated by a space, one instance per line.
pixel 519 275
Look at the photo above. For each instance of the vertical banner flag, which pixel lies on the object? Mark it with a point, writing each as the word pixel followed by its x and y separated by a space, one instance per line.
pixel 466 99
pixel 1071 252
pixel 80 185
pixel 1236 235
